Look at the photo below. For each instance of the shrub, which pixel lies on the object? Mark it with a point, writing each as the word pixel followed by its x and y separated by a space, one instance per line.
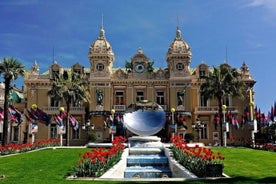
pixel 195 159
pixel 96 162
pixel 20 148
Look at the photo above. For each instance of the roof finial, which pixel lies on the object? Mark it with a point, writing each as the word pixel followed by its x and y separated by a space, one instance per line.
pixel 226 54
pixel 178 32
pixel 102 21
pixel 53 54
pixel 102 30
pixel 35 68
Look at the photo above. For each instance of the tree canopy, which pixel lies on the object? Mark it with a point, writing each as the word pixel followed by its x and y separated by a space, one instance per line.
pixel 10 69
pixel 223 81
pixel 72 87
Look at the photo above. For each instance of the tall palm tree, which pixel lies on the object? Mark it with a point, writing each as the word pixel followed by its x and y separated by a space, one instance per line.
pixel 11 69
pixel 222 82
pixel 73 89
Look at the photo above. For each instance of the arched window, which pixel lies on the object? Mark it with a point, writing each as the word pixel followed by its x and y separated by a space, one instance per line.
pixel 203 101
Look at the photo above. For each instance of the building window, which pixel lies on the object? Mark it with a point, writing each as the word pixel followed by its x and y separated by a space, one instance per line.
pixel 202 73
pixel 180 98
pixel 100 67
pixel 160 98
pixel 76 134
pixel 77 71
pixel 54 102
pixel 179 66
pixel 203 101
pixel 15 133
pixel 55 74
pixel 77 103
pixel 53 131
pixel 119 97
pixel 203 131
pixel 226 101
pixel 139 96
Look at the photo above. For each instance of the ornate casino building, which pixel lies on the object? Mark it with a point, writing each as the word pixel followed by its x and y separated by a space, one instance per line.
pixel 176 88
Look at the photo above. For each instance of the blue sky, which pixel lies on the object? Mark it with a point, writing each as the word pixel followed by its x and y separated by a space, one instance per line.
pixel 216 30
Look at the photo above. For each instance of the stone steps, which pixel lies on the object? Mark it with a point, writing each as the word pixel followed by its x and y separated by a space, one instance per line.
pixel 142 160
pixel 149 162
pixel 148 172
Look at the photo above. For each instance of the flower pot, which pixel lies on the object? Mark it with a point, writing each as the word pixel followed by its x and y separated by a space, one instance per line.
pixel 214 170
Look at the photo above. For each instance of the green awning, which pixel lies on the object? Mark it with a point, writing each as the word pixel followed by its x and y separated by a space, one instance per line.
pixel 15 97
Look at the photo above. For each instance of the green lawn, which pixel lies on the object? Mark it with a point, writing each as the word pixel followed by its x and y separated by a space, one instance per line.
pixel 52 166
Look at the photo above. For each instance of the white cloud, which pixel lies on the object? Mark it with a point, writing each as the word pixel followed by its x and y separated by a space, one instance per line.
pixel 267 9
pixel 256 3
pixel 267 4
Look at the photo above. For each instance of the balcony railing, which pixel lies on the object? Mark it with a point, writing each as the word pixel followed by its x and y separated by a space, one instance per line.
pixel 213 109
pixel 123 107
pixel 119 107
pixel 73 110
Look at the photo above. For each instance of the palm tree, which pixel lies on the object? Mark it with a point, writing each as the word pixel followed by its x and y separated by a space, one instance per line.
pixel 72 88
pixel 11 69
pixel 222 82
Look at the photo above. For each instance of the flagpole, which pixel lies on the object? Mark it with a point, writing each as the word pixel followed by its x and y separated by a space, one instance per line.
pixel 34 130
pixel 33 138
pixel 172 111
pixel 226 124
pixel 112 133
pixel 60 136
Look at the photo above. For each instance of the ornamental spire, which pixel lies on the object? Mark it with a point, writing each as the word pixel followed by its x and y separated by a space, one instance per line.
pixel 178 33
pixel 102 32
pixel 35 68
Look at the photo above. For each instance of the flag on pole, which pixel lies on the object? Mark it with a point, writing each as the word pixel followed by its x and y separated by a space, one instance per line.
pixel 39 115
pixel 73 122
pixel 1 113
pixel 58 120
pixel 15 115
pixel 235 122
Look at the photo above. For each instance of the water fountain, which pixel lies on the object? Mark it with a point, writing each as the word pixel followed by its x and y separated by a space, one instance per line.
pixel 146 156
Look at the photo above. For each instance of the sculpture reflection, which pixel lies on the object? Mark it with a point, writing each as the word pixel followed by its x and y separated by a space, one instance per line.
pixel 145 119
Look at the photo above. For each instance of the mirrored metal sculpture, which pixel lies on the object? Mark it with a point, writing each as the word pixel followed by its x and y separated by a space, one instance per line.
pixel 145 118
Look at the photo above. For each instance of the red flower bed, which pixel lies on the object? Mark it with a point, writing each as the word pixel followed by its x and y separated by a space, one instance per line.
pixel 96 162
pixel 195 159
pixel 19 148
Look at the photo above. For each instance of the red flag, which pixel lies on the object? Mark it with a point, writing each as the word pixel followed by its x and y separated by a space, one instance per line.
pixel 58 120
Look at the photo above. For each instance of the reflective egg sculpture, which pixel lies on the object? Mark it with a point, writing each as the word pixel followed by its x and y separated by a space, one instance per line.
pixel 145 119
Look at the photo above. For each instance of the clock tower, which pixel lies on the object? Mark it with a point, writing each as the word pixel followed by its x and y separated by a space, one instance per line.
pixel 101 57
pixel 140 63
pixel 179 57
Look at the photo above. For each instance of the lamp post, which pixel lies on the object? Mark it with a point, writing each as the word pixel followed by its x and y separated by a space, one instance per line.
pixel 112 127
pixel 34 125
pixel 61 127
pixel 224 107
pixel 172 111
pixel 251 105
pixel 197 126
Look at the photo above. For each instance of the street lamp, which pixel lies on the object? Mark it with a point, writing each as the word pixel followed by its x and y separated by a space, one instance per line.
pixel 172 111
pixel 251 105
pixel 224 107
pixel 198 125
pixel 88 127
pixel 112 127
